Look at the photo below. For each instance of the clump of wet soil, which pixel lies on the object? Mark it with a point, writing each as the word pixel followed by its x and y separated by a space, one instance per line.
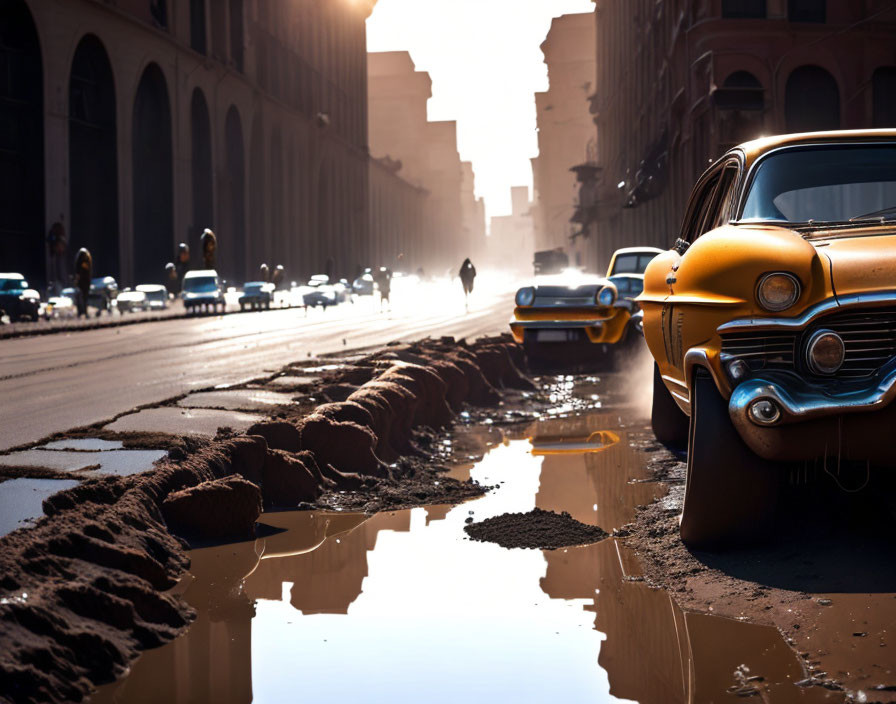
pixel 543 530
pixel 84 591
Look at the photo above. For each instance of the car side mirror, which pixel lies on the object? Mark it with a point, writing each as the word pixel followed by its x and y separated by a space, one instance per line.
pixel 681 245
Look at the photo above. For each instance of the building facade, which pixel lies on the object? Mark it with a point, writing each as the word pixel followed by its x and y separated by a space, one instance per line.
pixel 681 81
pixel 137 124
pixel 428 155
pixel 566 135
pixel 511 240
pixel 397 216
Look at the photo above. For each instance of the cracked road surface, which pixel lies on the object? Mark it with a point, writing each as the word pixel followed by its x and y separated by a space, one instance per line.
pixel 53 383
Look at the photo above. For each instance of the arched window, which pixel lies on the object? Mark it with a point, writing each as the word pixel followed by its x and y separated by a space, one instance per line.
pixel 258 235
pixel 201 162
pixel 198 30
pixel 807 10
pixel 153 174
pixel 93 157
pixel 236 33
pixel 21 143
pixel 811 101
pixel 744 9
pixel 740 91
pixel 883 86
pixel 232 250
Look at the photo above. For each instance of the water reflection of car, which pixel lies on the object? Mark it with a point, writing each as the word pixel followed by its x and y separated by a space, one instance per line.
pixel 572 312
pixel 257 295
pixel 202 291
pixel 773 324
pixel 156 296
pixel 131 301
pixel 103 291
pixel 18 300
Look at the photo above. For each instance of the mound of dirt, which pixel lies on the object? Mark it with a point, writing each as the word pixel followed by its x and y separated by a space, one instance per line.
pixel 543 530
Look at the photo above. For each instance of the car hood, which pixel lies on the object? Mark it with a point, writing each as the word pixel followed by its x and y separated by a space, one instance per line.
pixel 860 264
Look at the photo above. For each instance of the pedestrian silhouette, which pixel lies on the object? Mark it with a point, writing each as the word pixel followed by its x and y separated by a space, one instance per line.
pixel 83 274
pixel 467 277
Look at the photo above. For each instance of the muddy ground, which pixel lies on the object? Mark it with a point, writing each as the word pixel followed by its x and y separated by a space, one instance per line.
pixel 83 592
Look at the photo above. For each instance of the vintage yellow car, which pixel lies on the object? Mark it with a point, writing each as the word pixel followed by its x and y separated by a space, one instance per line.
pixel 572 312
pixel 772 322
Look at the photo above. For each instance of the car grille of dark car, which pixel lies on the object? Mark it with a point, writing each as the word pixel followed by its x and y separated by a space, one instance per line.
pixel 869 337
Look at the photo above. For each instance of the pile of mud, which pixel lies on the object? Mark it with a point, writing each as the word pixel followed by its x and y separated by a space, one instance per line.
pixel 538 529
pixel 83 592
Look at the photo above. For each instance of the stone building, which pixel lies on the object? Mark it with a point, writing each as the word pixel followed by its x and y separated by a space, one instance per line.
pixel 427 151
pixel 566 136
pixel 511 240
pixel 138 123
pixel 680 81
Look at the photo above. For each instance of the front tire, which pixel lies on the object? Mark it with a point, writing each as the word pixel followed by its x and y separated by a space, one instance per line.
pixel 731 493
pixel 670 423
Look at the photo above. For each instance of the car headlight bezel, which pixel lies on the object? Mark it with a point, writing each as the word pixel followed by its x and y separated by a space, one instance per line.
pixel 606 296
pixel 815 361
pixel 525 297
pixel 777 303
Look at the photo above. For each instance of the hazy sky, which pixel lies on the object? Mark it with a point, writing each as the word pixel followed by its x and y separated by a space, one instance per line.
pixel 486 66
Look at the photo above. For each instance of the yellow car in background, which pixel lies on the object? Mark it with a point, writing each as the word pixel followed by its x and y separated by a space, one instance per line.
pixel 581 316
pixel 773 323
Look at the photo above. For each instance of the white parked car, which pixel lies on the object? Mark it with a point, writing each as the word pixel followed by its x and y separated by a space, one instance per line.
pixel 156 296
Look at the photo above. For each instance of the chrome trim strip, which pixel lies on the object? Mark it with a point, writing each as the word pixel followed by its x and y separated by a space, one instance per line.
pixel 698 357
pixel 878 298
pixel 800 401
pixel 565 324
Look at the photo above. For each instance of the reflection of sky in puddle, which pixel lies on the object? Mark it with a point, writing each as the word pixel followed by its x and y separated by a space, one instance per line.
pixel 402 607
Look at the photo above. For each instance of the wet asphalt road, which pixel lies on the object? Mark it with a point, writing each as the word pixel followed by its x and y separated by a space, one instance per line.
pixel 57 382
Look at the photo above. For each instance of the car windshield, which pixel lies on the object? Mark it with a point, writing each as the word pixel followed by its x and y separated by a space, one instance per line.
pixel 156 295
pixel 826 183
pixel 201 284
pixel 628 286
pixel 252 288
pixel 13 285
pixel 634 263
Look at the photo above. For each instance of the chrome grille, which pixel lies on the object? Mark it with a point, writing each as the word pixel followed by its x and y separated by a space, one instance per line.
pixel 567 301
pixel 868 335
pixel 770 349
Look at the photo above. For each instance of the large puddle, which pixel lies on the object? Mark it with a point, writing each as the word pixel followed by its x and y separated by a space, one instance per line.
pixel 403 607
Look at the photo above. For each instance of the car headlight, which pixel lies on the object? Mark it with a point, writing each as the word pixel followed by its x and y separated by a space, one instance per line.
pixel 825 352
pixel 525 297
pixel 778 291
pixel 606 296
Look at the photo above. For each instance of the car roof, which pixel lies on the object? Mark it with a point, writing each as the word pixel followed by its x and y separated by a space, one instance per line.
pixel 254 283
pixel 630 250
pixel 197 273
pixel 758 147
pixel 150 288
pixel 17 277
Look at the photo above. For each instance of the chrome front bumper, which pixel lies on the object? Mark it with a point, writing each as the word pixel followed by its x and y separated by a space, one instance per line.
pixel 811 418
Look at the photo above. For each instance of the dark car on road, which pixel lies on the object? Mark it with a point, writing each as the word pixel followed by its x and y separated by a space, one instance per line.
pixel 103 290
pixel 257 295
pixel 17 300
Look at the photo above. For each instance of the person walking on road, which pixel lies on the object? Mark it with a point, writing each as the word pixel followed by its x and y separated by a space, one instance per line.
pixel 382 277
pixel 467 277
pixel 83 274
